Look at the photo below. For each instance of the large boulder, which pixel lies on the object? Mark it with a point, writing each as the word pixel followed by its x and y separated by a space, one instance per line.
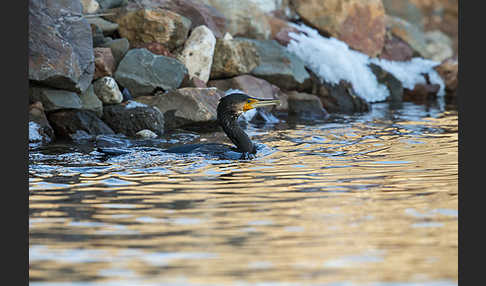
pixel 359 23
pixel 198 52
pixel 233 57
pixel 130 117
pixel 66 123
pixel 154 25
pixel 60 45
pixel 186 107
pixel 39 128
pixel 143 72
pixel 245 18
pixel 55 99
pixel 279 66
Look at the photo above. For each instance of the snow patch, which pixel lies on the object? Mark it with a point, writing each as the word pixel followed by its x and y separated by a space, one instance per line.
pixel 134 104
pixel 332 60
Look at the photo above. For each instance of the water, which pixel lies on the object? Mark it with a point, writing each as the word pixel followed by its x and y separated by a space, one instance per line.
pixel 369 199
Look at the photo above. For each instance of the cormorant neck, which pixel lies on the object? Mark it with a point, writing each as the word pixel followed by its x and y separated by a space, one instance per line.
pixel 229 123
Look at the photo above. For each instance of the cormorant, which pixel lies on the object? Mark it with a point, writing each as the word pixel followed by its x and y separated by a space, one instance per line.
pixel 230 107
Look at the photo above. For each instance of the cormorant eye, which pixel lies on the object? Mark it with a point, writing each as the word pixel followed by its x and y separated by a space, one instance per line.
pixel 249 101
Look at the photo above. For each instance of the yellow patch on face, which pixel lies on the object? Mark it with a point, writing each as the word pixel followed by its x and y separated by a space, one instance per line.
pixel 249 104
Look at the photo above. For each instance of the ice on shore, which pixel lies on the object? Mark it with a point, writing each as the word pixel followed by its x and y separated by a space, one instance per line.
pixel 332 60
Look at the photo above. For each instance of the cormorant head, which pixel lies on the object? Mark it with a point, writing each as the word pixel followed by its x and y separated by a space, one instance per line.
pixel 236 102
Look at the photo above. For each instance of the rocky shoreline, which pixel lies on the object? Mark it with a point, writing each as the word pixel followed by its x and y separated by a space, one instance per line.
pixel 143 68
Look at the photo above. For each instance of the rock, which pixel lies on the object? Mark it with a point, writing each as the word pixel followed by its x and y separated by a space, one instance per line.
pixel 186 107
pixel 405 9
pixel 409 33
pixel 108 4
pixel 421 92
pixel 90 6
pixel 192 82
pixel 104 62
pixel 156 49
pixel 98 38
pixel 119 48
pixel 305 106
pixel 438 45
pixel 131 117
pixel 66 123
pixel 54 99
pixel 39 128
pixel 142 72
pixel 90 101
pixel 107 90
pixel 391 82
pixel 198 51
pixel 233 58
pixel 359 23
pixel 448 70
pixel 245 19
pixel 154 25
pixel 146 134
pixel 60 45
pixel 341 98
pixel 251 85
pixel 280 30
pixel 395 49
pixel 107 27
pixel 280 67
pixel 198 12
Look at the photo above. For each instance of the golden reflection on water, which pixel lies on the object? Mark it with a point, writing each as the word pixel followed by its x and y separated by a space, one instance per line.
pixel 358 202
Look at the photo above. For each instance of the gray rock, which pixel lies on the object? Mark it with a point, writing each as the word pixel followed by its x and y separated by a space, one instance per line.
pixel 341 98
pixel 106 27
pixel 119 48
pixel 279 66
pixel 305 106
pixel 142 72
pixel 186 106
pixel 90 101
pixel 54 99
pixel 394 85
pixel 131 117
pixel 60 45
pixel 108 4
pixel 106 89
pixel 68 122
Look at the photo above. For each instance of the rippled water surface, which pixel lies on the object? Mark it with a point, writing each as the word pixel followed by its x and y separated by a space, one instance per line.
pixel 357 200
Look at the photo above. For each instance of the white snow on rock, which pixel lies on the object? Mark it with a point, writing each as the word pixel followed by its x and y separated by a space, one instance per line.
pixel 134 104
pixel 332 60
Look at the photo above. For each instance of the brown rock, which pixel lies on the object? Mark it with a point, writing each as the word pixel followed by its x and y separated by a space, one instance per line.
pixel 280 30
pixel 409 33
pixel 305 106
pixel 192 82
pixel 232 58
pixel 37 115
pixel 420 92
pixel 155 48
pixel 186 107
pixel 251 85
pixel 448 70
pixel 67 122
pixel 154 25
pixel 104 62
pixel 198 12
pixel 341 98
pixel 359 23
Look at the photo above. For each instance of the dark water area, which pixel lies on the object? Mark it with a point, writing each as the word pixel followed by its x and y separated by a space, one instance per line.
pixel 367 199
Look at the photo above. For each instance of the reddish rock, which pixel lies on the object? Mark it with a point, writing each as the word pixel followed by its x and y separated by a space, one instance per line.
pixel 359 23
pixel 104 62
pixel 37 115
pixel 396 49
pixel 420 92
pixel 192 82
pixel 155 48
pixel 280 30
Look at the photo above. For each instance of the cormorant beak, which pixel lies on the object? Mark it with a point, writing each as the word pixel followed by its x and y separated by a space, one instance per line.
pixel 256 102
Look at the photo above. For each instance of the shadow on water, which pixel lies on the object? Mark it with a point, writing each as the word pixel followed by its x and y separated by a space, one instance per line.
pixel 368 198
